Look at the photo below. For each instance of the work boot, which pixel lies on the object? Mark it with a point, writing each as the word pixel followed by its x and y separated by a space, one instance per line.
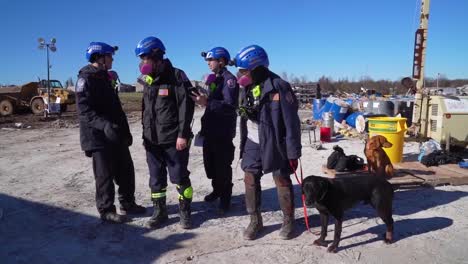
pixel 224 205
pixel 184 213
pixel 252 204
pixel 159 214
pixel 255 225
pixel 286 201
pixel 113 217
pixel 132 209
pixel 211 197
pixel 225 199
pixel 287 228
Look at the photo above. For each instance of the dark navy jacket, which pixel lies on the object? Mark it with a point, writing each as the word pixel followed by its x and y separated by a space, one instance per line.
pixel 279 125
pixel 167 109
pixel 98 104
pixel 219 120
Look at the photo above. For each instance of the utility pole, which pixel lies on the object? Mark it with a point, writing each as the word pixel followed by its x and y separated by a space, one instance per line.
pixel 48 46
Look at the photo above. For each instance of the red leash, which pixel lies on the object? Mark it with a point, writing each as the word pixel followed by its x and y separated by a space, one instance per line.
pixel 306 217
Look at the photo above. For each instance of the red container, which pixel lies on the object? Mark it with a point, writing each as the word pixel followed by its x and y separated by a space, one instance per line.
pixel 325 134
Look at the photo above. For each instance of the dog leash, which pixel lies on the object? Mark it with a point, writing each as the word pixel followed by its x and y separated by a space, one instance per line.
pixel 306 217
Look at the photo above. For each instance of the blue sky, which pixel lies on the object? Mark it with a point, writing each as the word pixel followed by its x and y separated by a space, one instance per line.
pixel 340 39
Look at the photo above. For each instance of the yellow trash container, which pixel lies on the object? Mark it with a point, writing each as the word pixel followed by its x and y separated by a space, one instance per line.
pixel 393 129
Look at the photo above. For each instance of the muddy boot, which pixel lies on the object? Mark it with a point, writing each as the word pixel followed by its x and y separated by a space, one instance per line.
pixel 254 227
pixel 159 214
pixel 184 213
pixel 252 204
pixel 286 200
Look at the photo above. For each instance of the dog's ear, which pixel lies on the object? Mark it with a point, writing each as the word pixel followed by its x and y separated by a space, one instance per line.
pixel 375 142
pixel 384 142
pixel 315 188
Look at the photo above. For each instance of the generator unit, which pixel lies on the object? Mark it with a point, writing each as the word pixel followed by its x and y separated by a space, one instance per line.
pixel 448 119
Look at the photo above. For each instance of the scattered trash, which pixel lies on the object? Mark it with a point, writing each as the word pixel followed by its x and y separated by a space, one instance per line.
pixel 440 157
pixel 317 146
pixel 60 123
pixel 463 164
pixel 19 125
pixel 427 148
pixel 190 258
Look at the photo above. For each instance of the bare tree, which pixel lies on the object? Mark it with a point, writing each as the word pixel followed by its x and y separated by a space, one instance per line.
pixel 284 76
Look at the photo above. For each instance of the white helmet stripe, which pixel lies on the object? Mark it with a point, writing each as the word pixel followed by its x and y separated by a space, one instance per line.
pixel 246 51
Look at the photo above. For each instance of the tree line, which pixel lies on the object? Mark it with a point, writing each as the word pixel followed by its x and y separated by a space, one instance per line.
pixel 330 85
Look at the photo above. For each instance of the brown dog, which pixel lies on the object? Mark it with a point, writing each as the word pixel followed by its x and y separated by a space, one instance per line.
pixel 377 160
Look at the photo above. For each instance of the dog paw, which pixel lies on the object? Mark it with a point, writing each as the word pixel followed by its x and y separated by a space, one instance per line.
pixel 320 243
pixel 387 240
pixel 332 249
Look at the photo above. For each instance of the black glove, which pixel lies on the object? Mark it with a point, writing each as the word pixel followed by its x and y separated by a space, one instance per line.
pixel 112 132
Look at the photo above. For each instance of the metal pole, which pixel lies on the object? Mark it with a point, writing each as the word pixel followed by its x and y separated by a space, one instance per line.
pixel 420 100
pixel 48 81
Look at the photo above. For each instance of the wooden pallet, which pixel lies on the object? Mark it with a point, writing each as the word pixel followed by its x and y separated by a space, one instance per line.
pixel 434 176
pixel 401 177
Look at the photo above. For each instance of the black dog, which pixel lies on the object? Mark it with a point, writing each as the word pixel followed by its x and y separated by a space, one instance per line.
pixel 334 196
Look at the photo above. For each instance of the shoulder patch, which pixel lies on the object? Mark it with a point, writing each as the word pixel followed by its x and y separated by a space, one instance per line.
pixel 80 85
pixel 231 83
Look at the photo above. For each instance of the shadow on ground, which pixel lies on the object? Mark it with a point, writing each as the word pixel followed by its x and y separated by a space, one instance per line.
pixel 405 203
pixel 403 229
pixel 37 233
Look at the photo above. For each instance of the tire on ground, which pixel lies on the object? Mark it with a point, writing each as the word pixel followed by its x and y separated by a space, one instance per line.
pixel 6 107
pixel 37 106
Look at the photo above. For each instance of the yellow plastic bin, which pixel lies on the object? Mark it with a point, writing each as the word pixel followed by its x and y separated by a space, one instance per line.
pixel 393 129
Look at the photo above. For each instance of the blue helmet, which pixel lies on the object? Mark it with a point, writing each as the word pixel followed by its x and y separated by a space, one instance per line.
pixel 148 45
pixel 99 48
pixel 251 57
pixel 217 53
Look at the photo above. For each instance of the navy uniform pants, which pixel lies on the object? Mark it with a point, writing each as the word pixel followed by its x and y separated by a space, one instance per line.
pixel 166 158
pixel 218 155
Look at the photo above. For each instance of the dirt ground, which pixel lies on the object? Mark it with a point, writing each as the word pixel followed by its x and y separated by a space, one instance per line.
pixel 48 214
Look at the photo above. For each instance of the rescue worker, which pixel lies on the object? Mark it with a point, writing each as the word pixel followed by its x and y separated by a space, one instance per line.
pixel 270 136
pixel 105 135
pixel 218 125
pixel 167 112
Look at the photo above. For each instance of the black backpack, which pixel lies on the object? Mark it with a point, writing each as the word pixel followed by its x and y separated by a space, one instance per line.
pixel 340 162
pixel 335 157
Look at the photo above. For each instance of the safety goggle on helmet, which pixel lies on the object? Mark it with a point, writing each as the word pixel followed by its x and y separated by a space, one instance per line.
pixel 250 58
pixel 100 48
pixel 216 54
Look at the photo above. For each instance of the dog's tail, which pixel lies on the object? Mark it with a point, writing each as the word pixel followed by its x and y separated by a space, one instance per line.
pixel 389 171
